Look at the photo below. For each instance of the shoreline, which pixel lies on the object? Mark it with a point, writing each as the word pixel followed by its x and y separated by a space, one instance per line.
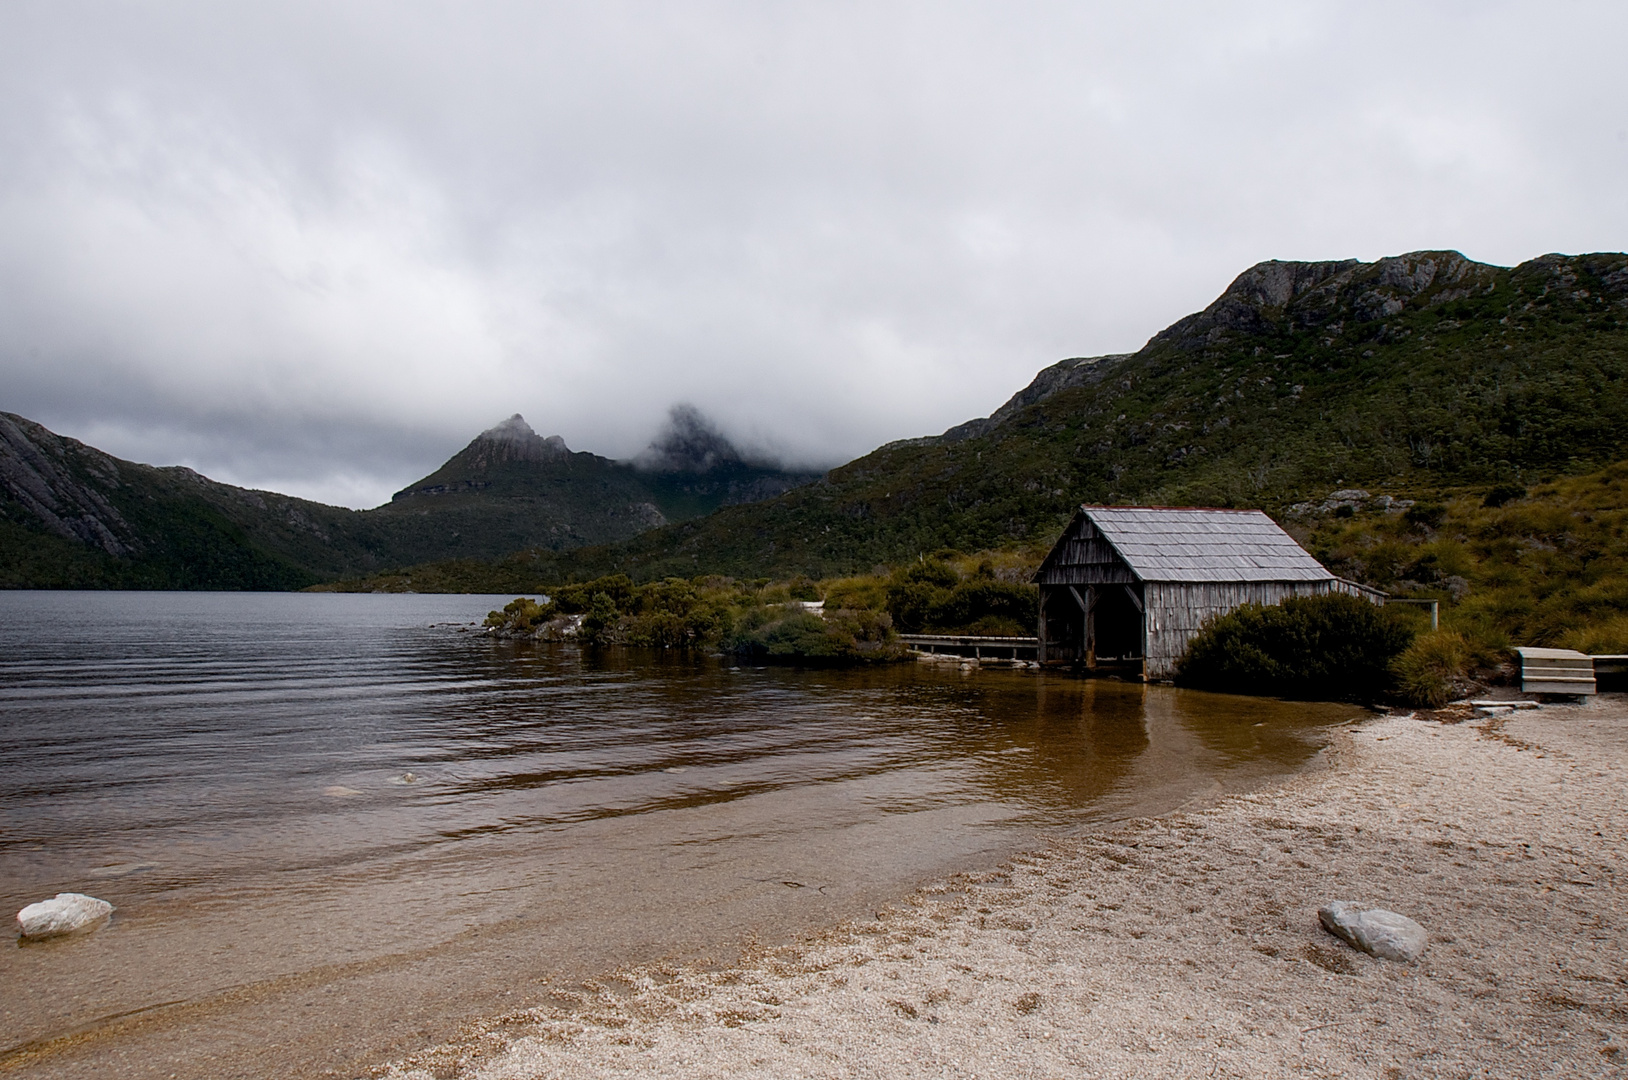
pixel 1187 944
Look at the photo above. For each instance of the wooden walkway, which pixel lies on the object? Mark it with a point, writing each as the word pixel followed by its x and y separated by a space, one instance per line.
pixel 975 646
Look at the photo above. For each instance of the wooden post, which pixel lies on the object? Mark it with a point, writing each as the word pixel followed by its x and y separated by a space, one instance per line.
pixel 1087 603
pixel 1142 612
pixel 1040 649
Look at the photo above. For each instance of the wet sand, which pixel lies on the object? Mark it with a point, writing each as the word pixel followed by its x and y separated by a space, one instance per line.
pixel 1187 944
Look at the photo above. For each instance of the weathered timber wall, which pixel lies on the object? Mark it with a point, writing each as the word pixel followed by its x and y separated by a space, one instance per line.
pixel 1084 557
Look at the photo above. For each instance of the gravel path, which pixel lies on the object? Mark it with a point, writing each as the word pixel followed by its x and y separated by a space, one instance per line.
pixel 1188 946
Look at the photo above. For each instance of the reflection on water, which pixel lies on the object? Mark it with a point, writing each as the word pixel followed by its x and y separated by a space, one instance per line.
pixel 343 794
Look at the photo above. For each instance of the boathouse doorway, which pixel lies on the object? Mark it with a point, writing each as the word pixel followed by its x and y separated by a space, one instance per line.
pixel 1119 634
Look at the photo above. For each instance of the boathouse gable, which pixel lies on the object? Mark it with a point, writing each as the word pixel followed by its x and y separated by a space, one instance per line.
pixel 1126 588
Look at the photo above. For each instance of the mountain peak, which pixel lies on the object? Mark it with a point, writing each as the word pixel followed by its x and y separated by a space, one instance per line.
pixel 514 440
pixel 691 443
pixel 514 428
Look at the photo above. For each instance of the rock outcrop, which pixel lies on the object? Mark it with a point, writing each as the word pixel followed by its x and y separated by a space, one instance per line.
pixel 57 480
pixel 1063 375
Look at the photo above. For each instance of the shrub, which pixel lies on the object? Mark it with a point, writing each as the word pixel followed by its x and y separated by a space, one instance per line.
pixel 1425 515
pixel 801 588
pixel 985 602
pixel 576 599
pixel 926 572
pixel 521 615
pixel 916 590
pixel 1326 647
pixel 1431 671
pixel 600 622
pixel 857 594
pixel 793 635
pixel 931 596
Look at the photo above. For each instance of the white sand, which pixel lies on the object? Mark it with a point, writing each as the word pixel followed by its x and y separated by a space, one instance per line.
pixel 1188 946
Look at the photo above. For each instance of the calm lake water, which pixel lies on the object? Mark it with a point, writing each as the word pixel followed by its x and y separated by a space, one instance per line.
pixel 334 826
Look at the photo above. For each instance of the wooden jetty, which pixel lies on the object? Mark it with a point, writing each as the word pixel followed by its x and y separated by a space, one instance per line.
pixel 975 646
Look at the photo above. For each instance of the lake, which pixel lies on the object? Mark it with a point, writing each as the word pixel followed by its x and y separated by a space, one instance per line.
pixel 337 826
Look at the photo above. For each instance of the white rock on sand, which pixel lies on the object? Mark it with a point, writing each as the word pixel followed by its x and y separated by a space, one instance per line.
pixel 1189 945
pixel 66 913
pixel 1375 931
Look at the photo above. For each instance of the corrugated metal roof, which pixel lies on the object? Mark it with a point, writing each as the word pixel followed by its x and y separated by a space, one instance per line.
pixel 1170 544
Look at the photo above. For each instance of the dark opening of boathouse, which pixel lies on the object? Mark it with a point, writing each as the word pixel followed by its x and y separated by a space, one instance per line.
pixel 1127 587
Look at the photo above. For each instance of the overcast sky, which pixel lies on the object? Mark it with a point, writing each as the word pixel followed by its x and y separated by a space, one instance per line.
pixel 316 247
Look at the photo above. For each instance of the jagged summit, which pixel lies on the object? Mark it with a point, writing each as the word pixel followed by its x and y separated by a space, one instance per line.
pixel 690 443
pixel 514 429
pixel 507 444
pixel 514 440
pixel 1299 296
pixel 692 468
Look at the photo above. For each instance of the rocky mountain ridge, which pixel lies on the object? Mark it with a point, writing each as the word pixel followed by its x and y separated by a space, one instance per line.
pixel 1410 373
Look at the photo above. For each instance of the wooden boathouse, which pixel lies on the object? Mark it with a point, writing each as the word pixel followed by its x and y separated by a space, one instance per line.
pixel 1127 587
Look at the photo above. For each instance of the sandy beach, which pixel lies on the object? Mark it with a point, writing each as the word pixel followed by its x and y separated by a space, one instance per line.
pixel 1188 945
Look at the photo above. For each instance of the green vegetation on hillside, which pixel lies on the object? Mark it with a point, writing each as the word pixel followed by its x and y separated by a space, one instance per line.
pixel 1549 567
pixel 1421 372
pixel 1507 565
pixel 1545 565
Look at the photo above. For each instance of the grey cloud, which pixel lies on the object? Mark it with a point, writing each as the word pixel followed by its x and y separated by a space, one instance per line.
pixel 319 246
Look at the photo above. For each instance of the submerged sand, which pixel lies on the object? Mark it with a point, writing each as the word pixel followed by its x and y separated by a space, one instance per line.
pixel 1188 945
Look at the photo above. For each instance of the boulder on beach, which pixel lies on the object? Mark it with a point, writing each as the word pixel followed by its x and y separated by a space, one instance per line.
pixel 66 913
pixel 1374 930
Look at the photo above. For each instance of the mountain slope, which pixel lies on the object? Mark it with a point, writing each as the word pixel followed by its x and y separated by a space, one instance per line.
pixel 1417 371
pixel 511 489
pixel 73 516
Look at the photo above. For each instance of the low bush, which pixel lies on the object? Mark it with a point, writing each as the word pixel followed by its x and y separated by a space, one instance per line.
pixel 601 621
pixel 857 594
pixel 575 599
pixel 521 615
pixel 791 634
pixel 933 597
pixel 1323 647
pixel 1433 669
pixel 984 605
pixel 1425 515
